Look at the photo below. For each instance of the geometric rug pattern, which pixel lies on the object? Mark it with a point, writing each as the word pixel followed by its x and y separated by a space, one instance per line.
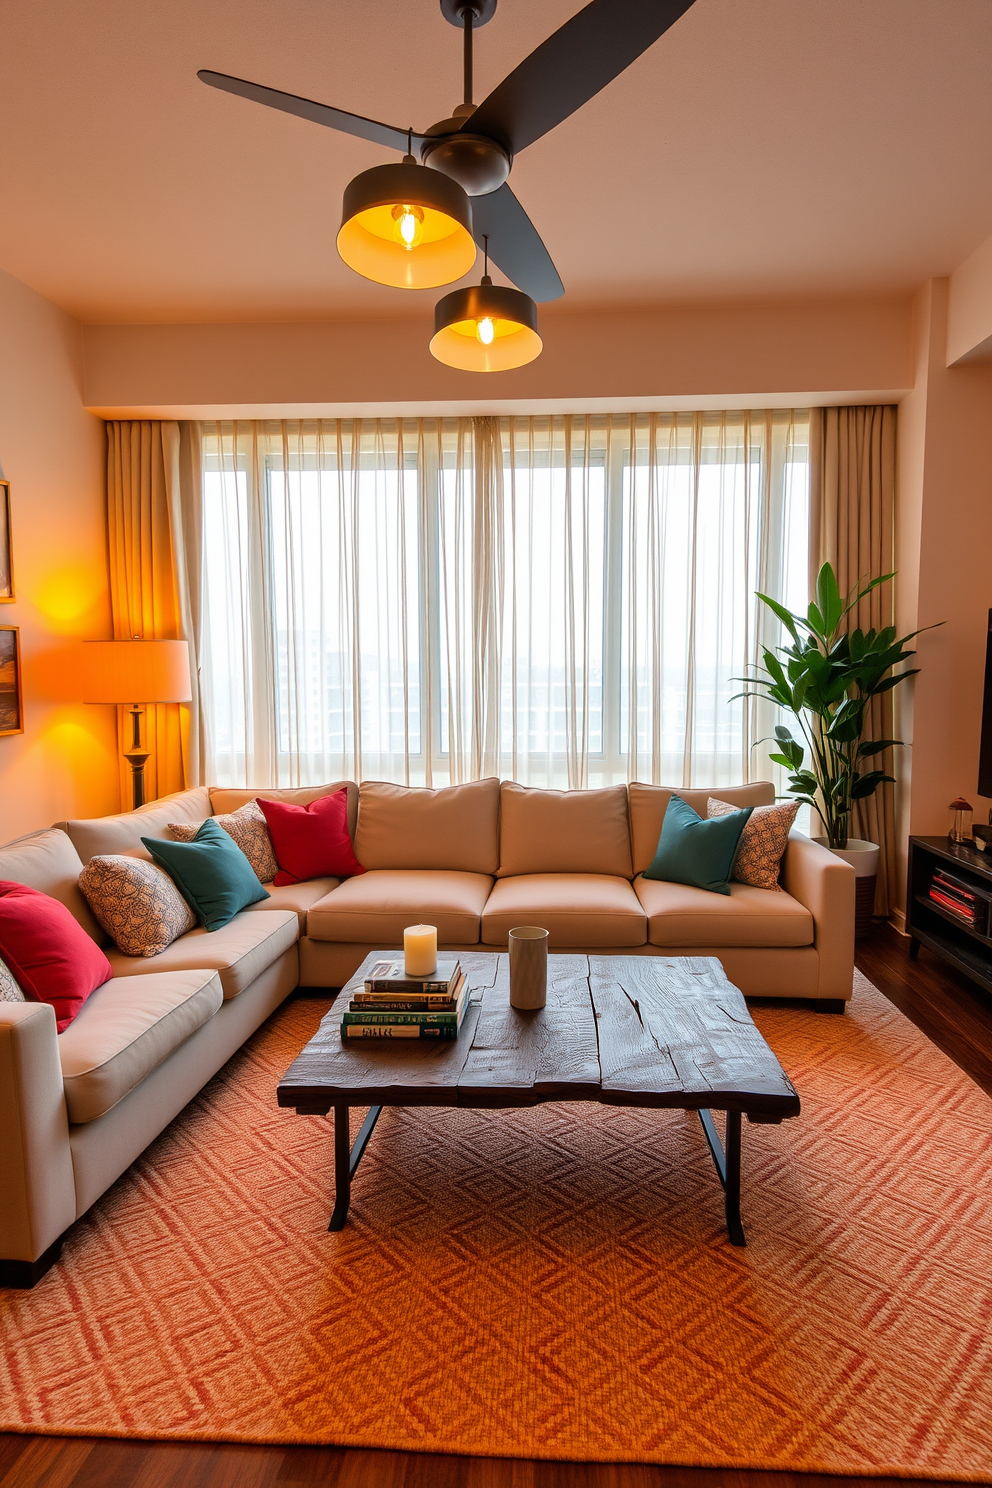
pixel 550 1283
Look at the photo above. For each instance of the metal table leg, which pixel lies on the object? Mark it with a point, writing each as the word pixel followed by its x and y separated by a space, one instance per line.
pixel 347 1158
pixel 728 1166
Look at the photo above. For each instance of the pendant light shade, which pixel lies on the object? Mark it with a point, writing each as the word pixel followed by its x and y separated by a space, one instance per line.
pixel 407 227
pixel 486 328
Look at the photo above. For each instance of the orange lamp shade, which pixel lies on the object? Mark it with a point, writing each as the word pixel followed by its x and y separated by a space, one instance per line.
pixel 135 672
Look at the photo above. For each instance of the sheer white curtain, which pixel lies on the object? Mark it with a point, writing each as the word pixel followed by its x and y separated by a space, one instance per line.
pixel 563 601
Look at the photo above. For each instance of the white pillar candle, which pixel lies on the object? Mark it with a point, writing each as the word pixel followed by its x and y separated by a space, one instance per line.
pixel 420 950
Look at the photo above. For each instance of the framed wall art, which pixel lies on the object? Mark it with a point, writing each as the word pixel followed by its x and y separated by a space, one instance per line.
pixel 11 700
pixel 6 546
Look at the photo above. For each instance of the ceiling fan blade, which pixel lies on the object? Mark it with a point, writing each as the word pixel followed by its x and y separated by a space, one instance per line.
pixel 571 67
pixel 515 244
pixel 305 108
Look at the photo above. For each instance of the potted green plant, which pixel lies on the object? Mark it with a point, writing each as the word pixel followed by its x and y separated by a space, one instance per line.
pixel 827 677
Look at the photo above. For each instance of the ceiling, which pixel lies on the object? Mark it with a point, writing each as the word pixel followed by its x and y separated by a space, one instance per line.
pixel 761 148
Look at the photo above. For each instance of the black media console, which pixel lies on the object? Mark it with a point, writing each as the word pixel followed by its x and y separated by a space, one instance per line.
pixel 949 905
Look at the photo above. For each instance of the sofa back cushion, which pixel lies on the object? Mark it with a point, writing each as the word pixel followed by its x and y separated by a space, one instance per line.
pixel 123 833
pixel 455 828
pixel 48 861
pixel 551 831
pixel 649 802
pixel 225 798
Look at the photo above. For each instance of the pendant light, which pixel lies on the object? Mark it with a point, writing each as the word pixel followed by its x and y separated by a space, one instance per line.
pixel 406 226
pixel 486 328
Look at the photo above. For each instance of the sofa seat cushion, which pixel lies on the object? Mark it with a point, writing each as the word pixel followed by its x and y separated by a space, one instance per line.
pixel 378 906
pixel 577 910
pixel 684 916
pixel 240 951
pixel 126 1029
pixel 299 897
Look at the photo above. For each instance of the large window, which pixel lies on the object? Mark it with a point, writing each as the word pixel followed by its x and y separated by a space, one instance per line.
pixel 562 601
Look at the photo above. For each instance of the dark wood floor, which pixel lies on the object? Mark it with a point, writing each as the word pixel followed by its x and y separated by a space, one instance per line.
pixel 944 1004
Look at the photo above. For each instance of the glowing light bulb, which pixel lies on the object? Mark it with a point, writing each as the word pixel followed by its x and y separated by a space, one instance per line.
pixel 409 229
pixel 485 330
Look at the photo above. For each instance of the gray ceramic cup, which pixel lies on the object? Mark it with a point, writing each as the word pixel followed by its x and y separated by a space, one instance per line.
pixel 528 967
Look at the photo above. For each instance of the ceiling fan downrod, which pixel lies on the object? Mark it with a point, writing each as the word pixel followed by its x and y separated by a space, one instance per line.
pixel 468 27
pixel 479 164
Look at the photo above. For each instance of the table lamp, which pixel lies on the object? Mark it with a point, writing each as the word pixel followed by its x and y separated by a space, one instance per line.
pixel 136 673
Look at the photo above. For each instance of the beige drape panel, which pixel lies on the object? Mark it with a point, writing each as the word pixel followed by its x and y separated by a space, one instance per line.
pixel 564 601
pixel 150 593
pixel 852 492
pixel 184 484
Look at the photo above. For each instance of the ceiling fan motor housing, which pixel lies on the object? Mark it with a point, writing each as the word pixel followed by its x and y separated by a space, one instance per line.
pixel 478 164
pixel 481 11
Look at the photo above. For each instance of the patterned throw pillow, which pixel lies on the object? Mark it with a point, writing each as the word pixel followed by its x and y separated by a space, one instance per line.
pixel 9 990
pixel 135 902
pixel 763 841
pixel 248 829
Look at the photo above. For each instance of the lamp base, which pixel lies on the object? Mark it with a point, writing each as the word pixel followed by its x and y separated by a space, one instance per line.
pixel 137 759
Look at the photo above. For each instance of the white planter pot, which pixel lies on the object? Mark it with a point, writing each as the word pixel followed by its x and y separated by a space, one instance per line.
pixel 862 856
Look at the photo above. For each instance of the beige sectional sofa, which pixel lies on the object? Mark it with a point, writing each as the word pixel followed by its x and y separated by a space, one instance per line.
pixel 77 1108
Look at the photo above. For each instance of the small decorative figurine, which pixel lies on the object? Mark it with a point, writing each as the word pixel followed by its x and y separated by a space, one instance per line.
pixel 960 821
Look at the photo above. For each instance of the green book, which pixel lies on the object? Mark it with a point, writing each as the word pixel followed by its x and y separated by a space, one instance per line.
pixel 394 1031
pixel 400 1020
pixel 437 1004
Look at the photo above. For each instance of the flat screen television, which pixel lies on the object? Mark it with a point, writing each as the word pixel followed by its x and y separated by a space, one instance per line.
pixel 985 757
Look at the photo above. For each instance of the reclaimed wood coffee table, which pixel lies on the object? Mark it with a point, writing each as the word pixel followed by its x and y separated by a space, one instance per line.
pixel 663 1032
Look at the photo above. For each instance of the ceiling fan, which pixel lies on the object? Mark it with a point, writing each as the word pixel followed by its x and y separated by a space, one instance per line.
pixel 475 148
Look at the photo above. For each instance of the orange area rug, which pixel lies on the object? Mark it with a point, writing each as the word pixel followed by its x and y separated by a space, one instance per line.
pixel 550 1283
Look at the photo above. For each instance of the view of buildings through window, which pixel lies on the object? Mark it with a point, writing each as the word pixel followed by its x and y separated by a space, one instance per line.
pixel 574 608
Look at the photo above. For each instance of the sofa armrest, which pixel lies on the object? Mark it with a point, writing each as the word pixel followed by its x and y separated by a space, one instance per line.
pixel 37 1189
pixel 824 883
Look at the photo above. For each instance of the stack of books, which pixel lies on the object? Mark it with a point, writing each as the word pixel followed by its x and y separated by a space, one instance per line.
pixel 960 899
pixel 395 1006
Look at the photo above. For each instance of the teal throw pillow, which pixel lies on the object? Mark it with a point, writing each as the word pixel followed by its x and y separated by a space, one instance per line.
pixel 689 850
pixel 211 872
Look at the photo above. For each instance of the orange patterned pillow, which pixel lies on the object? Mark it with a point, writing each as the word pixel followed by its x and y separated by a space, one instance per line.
pixel 763 841
pixel 135 902
pixel 248 828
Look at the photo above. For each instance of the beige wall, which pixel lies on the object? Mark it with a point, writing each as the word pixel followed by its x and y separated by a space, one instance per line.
pixel 675 356
pixel 969 310
pixel 51 450
pixel 943 551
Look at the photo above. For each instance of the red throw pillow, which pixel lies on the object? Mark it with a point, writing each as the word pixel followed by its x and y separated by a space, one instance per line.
pixel 311 841
pixel 51 956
